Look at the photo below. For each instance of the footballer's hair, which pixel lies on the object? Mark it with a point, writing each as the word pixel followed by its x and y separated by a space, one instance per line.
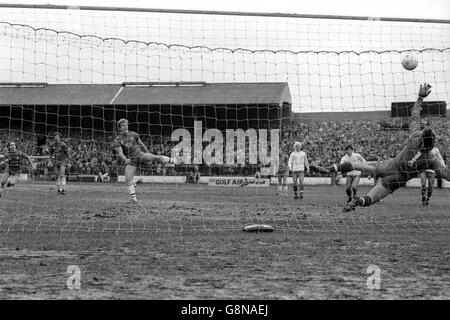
pixel 57 134
pixel 349 147
pixel 119 123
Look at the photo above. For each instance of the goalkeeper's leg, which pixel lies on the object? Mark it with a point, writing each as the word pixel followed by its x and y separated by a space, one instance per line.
pixel 383 188
pixel 130 171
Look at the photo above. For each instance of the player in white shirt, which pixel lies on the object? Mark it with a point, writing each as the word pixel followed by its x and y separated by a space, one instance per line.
pixel 352 180
pixel 429 175
pixel 297 163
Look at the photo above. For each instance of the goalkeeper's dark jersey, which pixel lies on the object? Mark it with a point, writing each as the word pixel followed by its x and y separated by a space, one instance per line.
pixel 129 141
pixel 59 151
pixel 14 160
pixel 414 145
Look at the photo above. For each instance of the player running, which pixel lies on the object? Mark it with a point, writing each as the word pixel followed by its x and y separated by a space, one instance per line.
pixel 282 174
pixel 352 179
pixel 12 172
pixel 395 172
pixel 133 152
pixel 297 163
pixel 428 175
pixel 59 155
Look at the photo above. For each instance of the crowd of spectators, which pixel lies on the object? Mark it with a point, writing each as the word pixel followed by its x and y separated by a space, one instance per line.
pixel 92 153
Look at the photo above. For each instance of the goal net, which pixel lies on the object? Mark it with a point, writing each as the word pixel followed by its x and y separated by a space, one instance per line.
pixel 327 82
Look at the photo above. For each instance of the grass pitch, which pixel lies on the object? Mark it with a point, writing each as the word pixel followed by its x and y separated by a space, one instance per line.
pixel 186 242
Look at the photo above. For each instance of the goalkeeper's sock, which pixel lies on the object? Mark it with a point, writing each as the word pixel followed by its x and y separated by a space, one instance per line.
pixel 280 190
pixel 295 190
pixel 63 182
pixel 286 189
pixel 364 201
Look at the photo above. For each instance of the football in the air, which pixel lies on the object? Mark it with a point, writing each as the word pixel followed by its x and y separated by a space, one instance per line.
pixel 410 62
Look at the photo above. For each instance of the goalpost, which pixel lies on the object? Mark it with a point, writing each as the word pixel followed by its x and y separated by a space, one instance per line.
pixel 335 67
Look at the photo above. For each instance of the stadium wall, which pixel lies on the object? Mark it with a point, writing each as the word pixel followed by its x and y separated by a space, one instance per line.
pixel 273 181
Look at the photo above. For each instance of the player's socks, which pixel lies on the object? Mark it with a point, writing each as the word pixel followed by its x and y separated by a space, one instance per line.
pixel 349 194
pixel 295 192
pixel 132 191
pixel 286 190
pixel 429 193
pixel 423 190
pixel 280 190
pixel 354 192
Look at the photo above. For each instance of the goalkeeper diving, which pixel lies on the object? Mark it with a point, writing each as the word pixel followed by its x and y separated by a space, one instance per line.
pixel 414 158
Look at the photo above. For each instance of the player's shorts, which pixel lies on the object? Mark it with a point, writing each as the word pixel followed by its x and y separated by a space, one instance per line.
pixel 59 163
pixel 430 171
pixel 300 174
pixel 282 172
pixel 12 172
pixel 352 177
pixel 136 160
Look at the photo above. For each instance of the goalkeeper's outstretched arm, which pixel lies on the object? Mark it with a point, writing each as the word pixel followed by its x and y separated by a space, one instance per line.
pixel 414 121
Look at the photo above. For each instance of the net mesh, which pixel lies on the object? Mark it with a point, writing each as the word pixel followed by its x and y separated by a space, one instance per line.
pixel 330 66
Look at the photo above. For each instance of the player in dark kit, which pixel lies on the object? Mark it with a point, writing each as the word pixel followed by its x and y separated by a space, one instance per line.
pixel 59 156
pixel 415 157
pixel 12 172
pixel 133 152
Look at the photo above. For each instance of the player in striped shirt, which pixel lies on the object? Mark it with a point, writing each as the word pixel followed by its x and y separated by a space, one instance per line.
pixel 133 152
pixel 395 172
pixel 352 179
pixel 282 174
pixel 59 157
pixel 13 159
pixel 428 175
pixel 297 163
